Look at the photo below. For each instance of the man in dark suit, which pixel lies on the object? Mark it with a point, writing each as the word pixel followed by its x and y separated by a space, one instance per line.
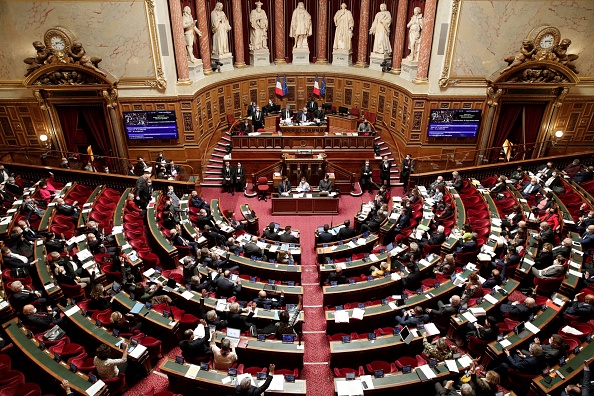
pixel 284 186
pixel 29 233
pixel 545 171
pixel 587 239
pixel 437 238
pixel 385 168
pixel 67 209
pixel 4 174
pixel 337 276
pixel 582 309
pixel 496 279
pixel 303 116
pixel 246 127
pixel 533 363
pixel 553 351
pixel 251 249
pixel 258 119
pixel 403 221
pixel 325 236
pixel 312 105
pixel 176 239
pixel 239 177
pixel 193 347
pixel 546 235
pixel 346 232
pixel 531 188
pixel 245 388
pixel 445 311
pixel 263 300
pixel 456 181
pixel 236 320
pixel 13 188
pixel 21 296
pixel 224 286
pixel 251 109
pixel 486 332
pixel 407 169
pixel 270 232
pixel 584 175
pixel 366 175
pixel 41 321
pixel 511 259
pixel 13 260
pixel 286 113
pixel 520 311
pixel 203 219
pixel 227 173
pixel 416 318
pixel 287 237
pixel 144 189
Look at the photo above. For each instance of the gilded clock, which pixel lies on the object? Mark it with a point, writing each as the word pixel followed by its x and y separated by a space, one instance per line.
pixel 58 38
pixel 545 37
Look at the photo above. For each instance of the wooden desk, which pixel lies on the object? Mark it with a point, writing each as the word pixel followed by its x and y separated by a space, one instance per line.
pixel 253 226
pixel 150 316
pixel 306 130
pixel 344 123
pixel 83 217
pixel 346 250
pixel 460 216
pixel 118 220
pixel 304 141
pixel 314 205
pixel 212 380
pixel 44 360
pixel 48 216
pixel 166 248
pixel 43 272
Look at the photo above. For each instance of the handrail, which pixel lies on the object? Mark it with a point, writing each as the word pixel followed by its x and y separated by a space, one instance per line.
pixel 205 151
pixel 341 171
pixel 45 157
pixel 268 169
pixel 393 141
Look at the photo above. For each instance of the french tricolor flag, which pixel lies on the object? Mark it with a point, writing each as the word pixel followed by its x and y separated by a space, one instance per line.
pixel 316 89
pixel 279 87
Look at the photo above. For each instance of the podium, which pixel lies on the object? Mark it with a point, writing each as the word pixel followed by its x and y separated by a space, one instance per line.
pixel 306 163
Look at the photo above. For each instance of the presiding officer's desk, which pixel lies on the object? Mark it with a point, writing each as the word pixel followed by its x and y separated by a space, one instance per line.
pixel 570 370
pixel 390 384
pixel 212 380
pixel 44 361
pixel 494 350
pixel 304 203
pixel 379 314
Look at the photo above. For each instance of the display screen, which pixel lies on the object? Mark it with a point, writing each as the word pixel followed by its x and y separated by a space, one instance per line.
pixel 147 125
pixel 454 123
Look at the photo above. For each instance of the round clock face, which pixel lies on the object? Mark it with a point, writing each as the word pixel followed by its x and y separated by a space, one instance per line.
pixel 547 41
pixel 58 43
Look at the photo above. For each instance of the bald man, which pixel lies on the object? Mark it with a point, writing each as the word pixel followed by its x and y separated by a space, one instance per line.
pixel 520 311
pixel 263 300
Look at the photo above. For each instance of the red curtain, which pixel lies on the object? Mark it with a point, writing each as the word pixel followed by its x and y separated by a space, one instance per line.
pixel 95 118
pixel 532 119
pixel 507 118
pixel 68 116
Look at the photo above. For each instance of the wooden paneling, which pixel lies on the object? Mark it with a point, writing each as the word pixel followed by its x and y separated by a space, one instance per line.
pixel 21 123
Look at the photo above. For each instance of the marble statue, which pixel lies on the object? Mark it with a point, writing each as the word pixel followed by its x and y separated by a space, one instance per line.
pixel 300 26
pixel 415 25
pixel 220 29
pixel 190 30
pixel 258 28
pixel 79 56
pixel 381 29
pixel 344 22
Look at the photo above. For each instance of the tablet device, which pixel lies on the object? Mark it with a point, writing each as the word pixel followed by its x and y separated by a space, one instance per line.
pixel 371 336
pixel 261 337
pixel 261 376
pixel 396 331
pixel 350 376
pixel 369 278
pixel 41 345
pixel 346 339
pixel 339 307
pixel 406 369
pixel 378 373
pixel 73 367
pixel 232 372
pixel 92 378
pixel 148 305
pixel 288 338
pixel 179 360
pixel 519 328
pixel 116 332
pixel 333 283
pixel 57 357
pixel 385 301
pixel 291 283
pixel 204 366
pixel 29 334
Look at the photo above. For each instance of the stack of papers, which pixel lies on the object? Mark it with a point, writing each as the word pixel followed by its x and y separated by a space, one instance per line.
pixel 431 329
pixel 341 317
pixel 452 366
pixel 357 313
pixel 349 388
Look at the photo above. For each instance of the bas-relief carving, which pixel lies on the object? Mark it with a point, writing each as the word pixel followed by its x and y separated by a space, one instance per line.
pixel 481 23
pixel 125 47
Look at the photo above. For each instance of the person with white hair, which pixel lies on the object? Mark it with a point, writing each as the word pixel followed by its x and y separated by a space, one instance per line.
pixel 251 249
pixel 21 296
pixel 246 388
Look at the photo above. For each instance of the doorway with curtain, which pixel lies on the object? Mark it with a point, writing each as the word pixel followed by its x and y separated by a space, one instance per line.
pixel 86 134
pixel 517 129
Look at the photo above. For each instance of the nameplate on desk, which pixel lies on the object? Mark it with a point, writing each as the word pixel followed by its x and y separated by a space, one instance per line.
pixel 303 152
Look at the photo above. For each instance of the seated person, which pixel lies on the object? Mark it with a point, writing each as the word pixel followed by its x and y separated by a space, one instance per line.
pixel 284 257
pixel 472 288
pixel 193 346
pixel 413 254
pixel 223 285
pixel 555 270
pixel 123 325
pixel 131 206
pixel 223 357
pixel 486 332
pixel 325 236
pixel 403 221
pixel 325 184
pixel 553 351
pixel 467 243
pixel 346 232
pixel 364 126
pixel 582 176
pixel 283 325
pixel 511 259
pixel 413 317
pixel 384 267
pixel 287 237
pixel 412 281
pixel 236 320
pixel 374 224
pixel 99 300
pixel 21 296
pixel 582 309
pixel 337 276
pixel 438 349
pixel 446 266
pixel 197 284
pixel 582 389
pixel 303 116
pixel 67 209
pixel 284 186
pixel 572 169
pixel 445 311
pixel 108 368
pixel 176 239
pixel 531 188
pixel 263 300
pixel 213 319
pixel 14 260
pixel 587 239
pixel 437 238
pixel 520 311
pixel 251 249
pixel 551 216
pixel 270 232
pixel 456 181
pixel 303 185
pixel 245 388
pixel 500 186
pixel 496 279
pixel 41 321
pixel 212 236
pixel 531 364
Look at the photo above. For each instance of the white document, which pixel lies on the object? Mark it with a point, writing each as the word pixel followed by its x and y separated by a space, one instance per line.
pixel 491 299
pixel 358 313
pixel 395 276
pixel 575 273
pixel 427 371
pixel 530 327
pixel 368 380
pixel 228 379
pixel 273 248
pixel 373 257
pixel 349 388
pixel 341 316
pixel 96 387
pixel 72 310
pixel 572 264
pixel 351 244
pixel 240 377
pixel 478 311
pixel 49 286
pixel 452 366
pixel 278 383
pixel 465 361
pixel 187 295
pixel 431 329
pixel 504 343
pixel 392 305
pixel 469 316
pixel 361 241
pixel 138 351
pixel 149 272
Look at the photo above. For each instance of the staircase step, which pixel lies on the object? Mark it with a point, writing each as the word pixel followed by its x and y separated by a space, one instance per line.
pixel 218 155
pixel 225 138
pixel 215 166
pixel 220 150
pixel 207 184
pixel 216 161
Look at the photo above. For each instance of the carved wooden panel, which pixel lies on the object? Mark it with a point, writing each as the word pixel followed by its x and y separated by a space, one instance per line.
pixel 380 104
pixel 254 95
pixel 221 104
pixel 21 124
pixel 365 102
pixel 329 94
pixel 348 96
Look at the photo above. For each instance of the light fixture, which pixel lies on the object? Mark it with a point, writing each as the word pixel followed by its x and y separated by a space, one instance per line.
pixel 45 140
pixel 558 136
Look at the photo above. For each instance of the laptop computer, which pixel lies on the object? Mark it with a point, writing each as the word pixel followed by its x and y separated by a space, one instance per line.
pixel 234 336
pixel 389 247
pixel 115 289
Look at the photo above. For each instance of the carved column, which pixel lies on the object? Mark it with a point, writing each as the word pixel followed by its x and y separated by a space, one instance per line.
pixel 493 95
pixel 399 36
pixel 179 41
pixel 205 39
pixel 279 32
pixel 322 32
pixel 238 34
pixel 363 34
pixel 111 102
pixel 426 41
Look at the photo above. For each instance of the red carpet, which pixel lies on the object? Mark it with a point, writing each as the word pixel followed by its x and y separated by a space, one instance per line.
pixel 316 370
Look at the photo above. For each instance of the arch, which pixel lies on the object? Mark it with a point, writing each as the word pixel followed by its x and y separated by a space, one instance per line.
pixel 69 76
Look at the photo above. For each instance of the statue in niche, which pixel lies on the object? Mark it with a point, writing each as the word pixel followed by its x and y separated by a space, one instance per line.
pixel 344 22
pixel 381 29
pixel 190 31
pixel 79 56
pixel 526 52
pixel 220 29
pixel 43 55
pixel 300 26
pixel 415 25
pixel 259 28
pixel 561 55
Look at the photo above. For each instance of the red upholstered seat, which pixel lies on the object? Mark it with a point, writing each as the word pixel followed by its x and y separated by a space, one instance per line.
pixel 66 351
pixel 477 346
pixel 342 372
pixel 380 365
pixel 406 361
pixel 83 362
